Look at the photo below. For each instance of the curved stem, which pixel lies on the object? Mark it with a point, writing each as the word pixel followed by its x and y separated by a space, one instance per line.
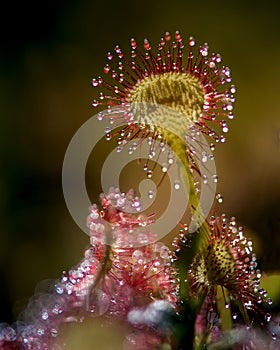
pixel 202 236
pixel 225 313
pixel 179 148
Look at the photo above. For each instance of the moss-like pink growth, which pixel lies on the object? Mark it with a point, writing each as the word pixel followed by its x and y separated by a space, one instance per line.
pixel 122 269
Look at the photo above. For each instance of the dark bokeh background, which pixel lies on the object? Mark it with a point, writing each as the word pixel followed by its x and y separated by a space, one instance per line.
pixel 49 53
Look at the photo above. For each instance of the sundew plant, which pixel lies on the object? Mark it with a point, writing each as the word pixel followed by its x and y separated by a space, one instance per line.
pixel 167 107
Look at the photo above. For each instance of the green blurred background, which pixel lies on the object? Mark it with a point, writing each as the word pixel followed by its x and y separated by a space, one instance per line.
pixel 49 53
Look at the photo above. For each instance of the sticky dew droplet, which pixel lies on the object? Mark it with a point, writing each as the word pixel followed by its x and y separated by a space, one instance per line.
pixel 151 153
pixel 149 173
pixel 137 254
pixel 225 128
pixel 95 103
pixel 7 333
pixel 164 168
pixel 222 139
pixel 107 130
pixel 167 36
pixel 267 317
pixel 106 69
pixel 219 198
pixel 164 252
pixel 204 157
pixel 100 116
pixel 170 159
pixel 94 82
pixel 191 41
pixel 215 178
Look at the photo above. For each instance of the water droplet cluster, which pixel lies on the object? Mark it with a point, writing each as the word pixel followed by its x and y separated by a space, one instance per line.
pixel 122 267
pixel 228 261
